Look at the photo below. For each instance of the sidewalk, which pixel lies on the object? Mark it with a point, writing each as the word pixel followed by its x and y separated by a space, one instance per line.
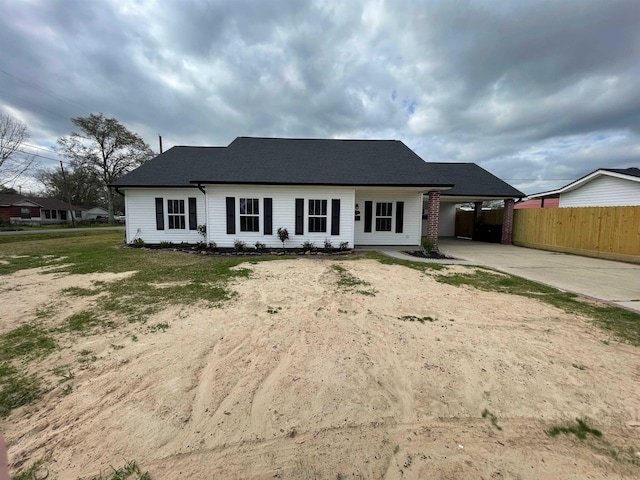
pixel 613 282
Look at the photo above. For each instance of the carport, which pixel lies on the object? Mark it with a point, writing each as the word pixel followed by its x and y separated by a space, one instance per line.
pixel 472 184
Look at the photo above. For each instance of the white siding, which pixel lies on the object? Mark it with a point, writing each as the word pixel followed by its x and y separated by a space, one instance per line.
pixel 284 214
pixel 140 206
pixel 446 219
pixel 412 224
pixel 604 191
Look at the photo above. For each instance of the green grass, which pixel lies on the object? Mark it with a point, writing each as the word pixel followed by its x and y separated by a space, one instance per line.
pixel 494 420
pixel 17 347
pixel 79 292
pixel 413 318
pixel 17 388
pixel 348 282
pixel 37 471
pixel 387 260
pixel 623 324
pixel 580 430
pixel 130 471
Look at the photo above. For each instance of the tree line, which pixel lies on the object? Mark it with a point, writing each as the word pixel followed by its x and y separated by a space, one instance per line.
pixel 98 153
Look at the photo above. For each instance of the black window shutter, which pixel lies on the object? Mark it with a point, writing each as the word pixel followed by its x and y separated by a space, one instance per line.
pixel 193 217
pixel 159 214
pixel 399 216
pixel 335 216
pixel 368 215
pixel 231 215
pixel 268 216
pixel 299 216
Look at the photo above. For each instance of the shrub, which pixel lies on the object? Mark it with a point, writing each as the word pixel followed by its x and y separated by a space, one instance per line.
pixel 138 243
pixel 165 244
pixel 202 230
pixel 283 235
pixel 308 245
pixel 213 245
pixel 344 246
pixel 239 245
pixel 327 244
pixel 427 244
pixel 260 246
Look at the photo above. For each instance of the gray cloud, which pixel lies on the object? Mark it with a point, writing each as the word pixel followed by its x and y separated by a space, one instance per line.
pixel 536 92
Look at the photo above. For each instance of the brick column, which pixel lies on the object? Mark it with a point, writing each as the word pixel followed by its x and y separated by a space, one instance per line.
pixel 507 222
pixel 433 216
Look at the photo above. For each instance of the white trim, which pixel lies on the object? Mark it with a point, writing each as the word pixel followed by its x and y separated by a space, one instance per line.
pixel 581 181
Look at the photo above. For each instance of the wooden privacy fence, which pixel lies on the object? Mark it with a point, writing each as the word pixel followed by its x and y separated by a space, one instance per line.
pixel 464 221
pixel 607 232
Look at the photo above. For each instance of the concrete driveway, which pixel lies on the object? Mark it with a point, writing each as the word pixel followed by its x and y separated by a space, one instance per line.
pixel 614 282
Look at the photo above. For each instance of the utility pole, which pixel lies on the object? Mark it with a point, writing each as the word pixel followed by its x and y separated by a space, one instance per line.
pixel 160 138
pixel 66 193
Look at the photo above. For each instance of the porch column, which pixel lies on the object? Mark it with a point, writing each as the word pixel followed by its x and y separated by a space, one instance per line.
pixel 507 222
pixel 477 215
pixel 433 215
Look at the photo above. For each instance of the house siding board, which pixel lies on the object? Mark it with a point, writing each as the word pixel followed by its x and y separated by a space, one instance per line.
pixel 283 214
pixel 141 214
pixel 604 191
pixel 411 225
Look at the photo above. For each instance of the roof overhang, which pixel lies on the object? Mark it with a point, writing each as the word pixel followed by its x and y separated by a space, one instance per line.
pixel 581 181
pixel 471 198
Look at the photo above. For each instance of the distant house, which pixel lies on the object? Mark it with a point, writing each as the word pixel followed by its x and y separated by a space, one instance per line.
pixel 605 187
pixel 28 210
pixel 360 192
pixel 95 212
pixel 549 202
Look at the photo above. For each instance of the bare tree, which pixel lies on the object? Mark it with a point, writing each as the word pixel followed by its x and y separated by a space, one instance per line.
pixel 13 162
pixel 105 146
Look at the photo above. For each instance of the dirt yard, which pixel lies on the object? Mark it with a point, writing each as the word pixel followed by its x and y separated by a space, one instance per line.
pixel 300 378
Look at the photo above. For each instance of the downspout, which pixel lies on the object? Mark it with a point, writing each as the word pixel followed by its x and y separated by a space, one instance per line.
pixel 206 212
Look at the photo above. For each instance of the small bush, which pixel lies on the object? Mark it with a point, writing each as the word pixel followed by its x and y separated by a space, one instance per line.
pixel 427 244
pixel 308 245
pixel 239 245
pixel 202 230
pixel 344 246
pixel 213 245
pixel 327 244
pixel 165 244
pixel 260 246
pixel 283 235
pixel 138 243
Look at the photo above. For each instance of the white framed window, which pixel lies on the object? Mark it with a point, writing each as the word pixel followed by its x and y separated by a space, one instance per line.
pixel 25 213
pixel 175 215
pixel 249 215
pixel 317 216
pixel 384 213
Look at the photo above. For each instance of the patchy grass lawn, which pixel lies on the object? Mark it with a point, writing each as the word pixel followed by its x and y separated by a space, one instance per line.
pixel 415 363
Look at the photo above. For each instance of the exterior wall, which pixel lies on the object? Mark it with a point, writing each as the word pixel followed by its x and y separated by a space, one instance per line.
pixel 141 214
pixel 446 222
pixel 283 211
pixel 412 224
pixel 604 191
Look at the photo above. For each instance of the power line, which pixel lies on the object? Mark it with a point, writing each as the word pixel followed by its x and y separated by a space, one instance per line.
pixel 42 156
pixel 44 90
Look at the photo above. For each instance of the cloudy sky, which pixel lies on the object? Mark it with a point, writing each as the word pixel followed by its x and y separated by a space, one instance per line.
pixel 537 92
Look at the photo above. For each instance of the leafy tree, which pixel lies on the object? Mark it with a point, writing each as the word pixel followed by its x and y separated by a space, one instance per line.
pixel 13 133
pixel 107 148
pixel 79 184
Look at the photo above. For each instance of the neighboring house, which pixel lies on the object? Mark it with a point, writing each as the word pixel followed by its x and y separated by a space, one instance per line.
pixel 364 192
pixel 93 213
pixel 30 210
pixel 549 202
pixel 605 187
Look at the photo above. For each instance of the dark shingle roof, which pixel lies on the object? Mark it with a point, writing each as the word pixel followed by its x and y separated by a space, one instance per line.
pixel 471 180
pixel 632 172
pixel 281 161
pixel 288 162
pixel 44 202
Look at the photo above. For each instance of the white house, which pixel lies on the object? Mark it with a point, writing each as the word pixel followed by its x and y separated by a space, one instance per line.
pixel 605 187
pixel 364 192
